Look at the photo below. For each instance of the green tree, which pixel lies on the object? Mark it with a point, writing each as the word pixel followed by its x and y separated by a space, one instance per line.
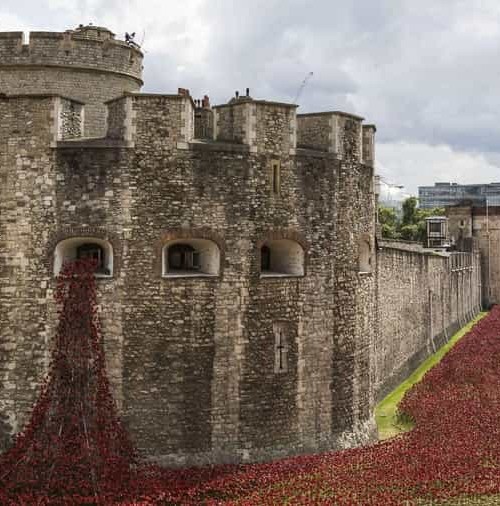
pixel 409 232
pixel 412 226
pixel 388 220
pixel 410 212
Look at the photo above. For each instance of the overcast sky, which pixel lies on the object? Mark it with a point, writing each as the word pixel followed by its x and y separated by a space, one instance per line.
pixel 426 72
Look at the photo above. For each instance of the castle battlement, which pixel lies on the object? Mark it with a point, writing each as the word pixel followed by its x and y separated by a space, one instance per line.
pixel 86 64
pixel 88 48
pixel 262 126
pixel 257 126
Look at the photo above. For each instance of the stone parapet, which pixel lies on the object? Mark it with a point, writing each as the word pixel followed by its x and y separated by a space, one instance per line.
pixel 131 117
pixel 267 127
pixel 73 49
pixel 327 131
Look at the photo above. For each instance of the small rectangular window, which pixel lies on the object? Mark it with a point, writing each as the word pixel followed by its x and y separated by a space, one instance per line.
pixel 435 228
pixel 280 348
pixel 275 176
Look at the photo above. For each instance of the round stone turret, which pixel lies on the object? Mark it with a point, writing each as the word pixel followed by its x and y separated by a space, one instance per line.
pixel 87 64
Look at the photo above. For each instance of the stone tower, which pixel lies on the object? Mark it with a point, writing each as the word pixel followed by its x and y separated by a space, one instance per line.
pixel 86 64
pixel 237 269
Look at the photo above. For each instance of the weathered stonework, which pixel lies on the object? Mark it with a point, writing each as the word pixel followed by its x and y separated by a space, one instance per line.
pixel 481 225
pixel 86 64
pixel 195 361
pixel 241 363
pixel 424 297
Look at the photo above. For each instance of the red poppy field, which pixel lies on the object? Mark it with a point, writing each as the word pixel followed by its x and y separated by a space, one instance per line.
pixel 74 449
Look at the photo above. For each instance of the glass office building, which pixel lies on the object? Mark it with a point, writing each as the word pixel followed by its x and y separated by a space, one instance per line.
pixel 451 194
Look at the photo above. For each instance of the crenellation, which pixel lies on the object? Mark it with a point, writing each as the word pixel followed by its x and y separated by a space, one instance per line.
pixel 71 48
pixel 86 64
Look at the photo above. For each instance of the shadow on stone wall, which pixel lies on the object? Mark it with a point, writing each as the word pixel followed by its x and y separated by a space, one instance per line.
pixel 5 432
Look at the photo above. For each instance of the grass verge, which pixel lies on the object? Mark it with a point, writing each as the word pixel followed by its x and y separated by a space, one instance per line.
pixel 389 424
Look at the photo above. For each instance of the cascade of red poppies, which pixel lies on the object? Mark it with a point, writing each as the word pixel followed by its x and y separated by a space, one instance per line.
pixel 74 444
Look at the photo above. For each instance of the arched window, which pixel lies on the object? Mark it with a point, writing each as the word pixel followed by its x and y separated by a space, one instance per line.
pixel 281 258
pixel 85 247
pixel 191 257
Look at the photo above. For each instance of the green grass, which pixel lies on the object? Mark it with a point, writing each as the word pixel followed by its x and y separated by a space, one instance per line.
pixel 389 424
pixel 485 500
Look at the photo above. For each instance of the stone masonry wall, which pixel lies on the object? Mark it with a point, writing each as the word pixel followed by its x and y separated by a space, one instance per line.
pixel 27 178
pixel 232 122
pixel 204 123
pixel 423 298
pixel 275 127
pixel 487 233
pixel 91 88
pixel 484 226
pixel 313 131
pixel 193 360
pixel 70 119
pixel 353 309
pixel 116 119
pixel 46 197
pixel 70 49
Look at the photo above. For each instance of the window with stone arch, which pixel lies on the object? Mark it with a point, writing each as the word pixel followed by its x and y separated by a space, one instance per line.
pixel 190 258
pixel 75 248
pixel 365 254
pixel 281 258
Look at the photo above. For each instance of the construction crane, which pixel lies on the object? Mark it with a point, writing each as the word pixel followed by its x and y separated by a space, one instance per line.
pixel 302 86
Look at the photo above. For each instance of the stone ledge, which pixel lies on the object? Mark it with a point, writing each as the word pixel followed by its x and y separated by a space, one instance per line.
pixel 34 96
pixel 413 247
pixel 219 146
pixel 315 153
pixel 92 144
pixel 69 68
pixel 329 113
